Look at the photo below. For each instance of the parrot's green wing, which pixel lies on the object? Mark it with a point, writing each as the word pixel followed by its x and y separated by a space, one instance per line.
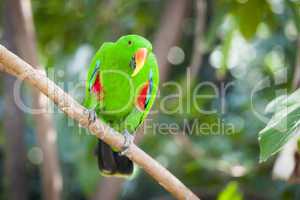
pixel 154 82
pixel 91 100
pixel 136 116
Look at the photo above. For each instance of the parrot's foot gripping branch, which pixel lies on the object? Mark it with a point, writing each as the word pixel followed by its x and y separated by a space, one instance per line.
pixel 92 115
pixel 128 140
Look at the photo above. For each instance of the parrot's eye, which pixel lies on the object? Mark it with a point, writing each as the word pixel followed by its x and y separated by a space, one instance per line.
pixel 129 42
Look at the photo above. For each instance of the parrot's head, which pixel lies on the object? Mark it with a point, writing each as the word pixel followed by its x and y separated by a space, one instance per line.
pixel 135 50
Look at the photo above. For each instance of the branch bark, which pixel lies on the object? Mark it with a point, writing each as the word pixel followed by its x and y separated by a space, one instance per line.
pixel 23 35
pixel 102 131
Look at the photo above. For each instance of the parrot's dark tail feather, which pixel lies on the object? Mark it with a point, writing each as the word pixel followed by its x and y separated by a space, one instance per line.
pixel 111 163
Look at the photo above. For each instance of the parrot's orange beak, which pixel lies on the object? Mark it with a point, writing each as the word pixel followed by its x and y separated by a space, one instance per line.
pixel 140 59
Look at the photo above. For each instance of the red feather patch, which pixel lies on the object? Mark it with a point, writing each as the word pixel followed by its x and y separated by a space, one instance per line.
pixel 141 99
pixel 97 87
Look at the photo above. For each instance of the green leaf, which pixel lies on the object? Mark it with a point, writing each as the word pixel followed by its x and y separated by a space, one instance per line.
pixel 278 131
pixel 282 102
pixel 276 104
pixel 249 15
pixel 231 192
pixel 282 126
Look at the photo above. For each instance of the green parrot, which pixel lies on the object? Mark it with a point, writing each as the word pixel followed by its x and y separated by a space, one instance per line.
pixel 121 87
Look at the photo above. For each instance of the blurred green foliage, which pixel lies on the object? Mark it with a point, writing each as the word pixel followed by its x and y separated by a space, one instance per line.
pixel 231 192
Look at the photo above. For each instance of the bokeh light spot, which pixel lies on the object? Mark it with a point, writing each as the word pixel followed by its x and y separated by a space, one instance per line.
pixel 176 55
pixel 216 58
pixel 35 155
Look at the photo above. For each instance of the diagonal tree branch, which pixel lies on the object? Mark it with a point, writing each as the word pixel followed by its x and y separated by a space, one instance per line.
pixel 77 112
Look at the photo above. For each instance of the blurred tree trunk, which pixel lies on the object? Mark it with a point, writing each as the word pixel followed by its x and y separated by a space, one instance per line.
pixel 109 188
pixel 198 49
pixel 167 36
pixel 296 80
pixel 14 128
pixel 22 33
pixel 15 152
pixel 169 33
pixel 195 64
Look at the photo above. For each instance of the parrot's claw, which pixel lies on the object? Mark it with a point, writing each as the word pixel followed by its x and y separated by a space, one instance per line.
pixel 92 116
pixel 128 140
